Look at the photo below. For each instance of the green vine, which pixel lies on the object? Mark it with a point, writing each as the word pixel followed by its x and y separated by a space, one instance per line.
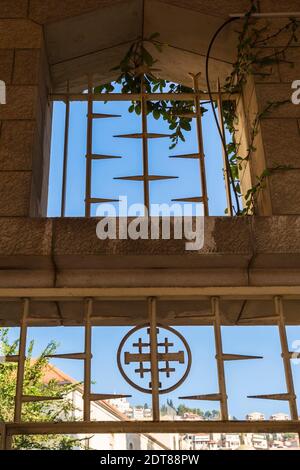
pixel 254 38
pixel 137 72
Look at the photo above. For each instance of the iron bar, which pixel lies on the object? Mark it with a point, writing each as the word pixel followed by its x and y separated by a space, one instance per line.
pixel 137 427
pixel 21 362
pixel 286 358
pixel 89 148
pixel 66 150
pixel 154 358
pixel 225 162
pixel 138 293
pixel 87 360
pixel 200 144
pixel 201 96
pixel 145 148
pixel 219 356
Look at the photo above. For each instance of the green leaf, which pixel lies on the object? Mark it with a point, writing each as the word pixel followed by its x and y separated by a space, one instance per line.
pixel 156 114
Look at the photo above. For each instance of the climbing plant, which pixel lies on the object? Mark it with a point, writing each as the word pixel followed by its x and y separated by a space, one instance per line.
pixel 253 56
pixel 137 73
pixel 34 384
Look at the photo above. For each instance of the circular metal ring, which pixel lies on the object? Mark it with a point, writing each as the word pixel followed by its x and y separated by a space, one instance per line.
pixel 146 390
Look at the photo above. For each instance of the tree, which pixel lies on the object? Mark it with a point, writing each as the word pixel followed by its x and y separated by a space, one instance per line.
pixel 34 384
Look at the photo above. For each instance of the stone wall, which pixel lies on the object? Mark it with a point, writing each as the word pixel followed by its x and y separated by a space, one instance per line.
pixel 25 119
pixel 29 247
pixel 278 140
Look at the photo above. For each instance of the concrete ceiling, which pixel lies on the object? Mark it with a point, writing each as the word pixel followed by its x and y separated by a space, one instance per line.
pixel 95 42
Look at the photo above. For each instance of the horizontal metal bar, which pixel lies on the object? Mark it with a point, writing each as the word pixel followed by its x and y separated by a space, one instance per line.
pixel 106 396
pixel 73 356
pixel 141 135
pixel 10 358
pixel 138 96
pixel 97 156
pixel 239 357
pixel 187 115
pixel 189 199
pixel 141 427
pixel 206 397
pixel 195 156
pixel 145 178
pixel 100 200
pixel 35 398
pixel 273 396
pixel 73 293
pixel 103 116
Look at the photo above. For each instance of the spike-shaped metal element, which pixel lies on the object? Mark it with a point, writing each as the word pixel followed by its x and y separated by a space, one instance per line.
pixel 106 396
pixel 141 135
pixel 145 178
pixel 34 398
pixel 99 200
pixel 207 397
pixel 189 199
pixel 11 358
pixel 194 156
pixel 77 356
pixel 103 116
pixel 239 357
pixel 96 156
pixel 274 396
pixel 294 355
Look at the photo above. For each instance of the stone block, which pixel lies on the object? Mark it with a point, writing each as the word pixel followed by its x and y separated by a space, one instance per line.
pixel 6 65
pixel 26 67
pixel 266 73
pixel 276 234
pixel 279 6
pixel 14 193
pixel 21 103
pixel 281 93
pixel 16 145
pixel 216 8
pixel 281 139
pixel 285 192
pixel 20 34
pixel 24 236
pixel 289 69
pixel 44 11
pixel 13 9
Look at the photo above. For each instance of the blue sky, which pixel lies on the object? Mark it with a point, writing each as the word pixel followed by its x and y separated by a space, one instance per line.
pixel 243 377
pixel 103 184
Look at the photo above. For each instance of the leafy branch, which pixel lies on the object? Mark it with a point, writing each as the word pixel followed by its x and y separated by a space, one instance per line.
pixel 253 39
pixel 137 74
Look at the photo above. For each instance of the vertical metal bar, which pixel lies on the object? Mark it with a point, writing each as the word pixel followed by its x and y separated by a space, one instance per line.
pixel 145 147
pixel 200 145
pixel 66 149
pixel 225 162
pixel 87 360
pixel 3 436
pixel 215 302
pixel 154 358
pixel 6 439
pixel 21 362
pixel 286 358
pixel 89 146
